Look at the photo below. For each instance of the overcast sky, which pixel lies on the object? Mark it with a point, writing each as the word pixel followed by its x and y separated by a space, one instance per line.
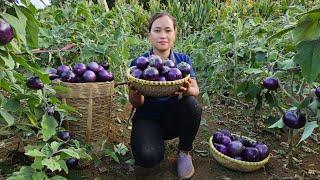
pixel 39 4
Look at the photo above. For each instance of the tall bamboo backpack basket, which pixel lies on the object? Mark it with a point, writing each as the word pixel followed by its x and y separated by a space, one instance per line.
pixel 93 102
pixel 156 88
pixel 234 164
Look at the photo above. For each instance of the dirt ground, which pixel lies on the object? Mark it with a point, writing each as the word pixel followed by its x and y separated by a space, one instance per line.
pixel 221 114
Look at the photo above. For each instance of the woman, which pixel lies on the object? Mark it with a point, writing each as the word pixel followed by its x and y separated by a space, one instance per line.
pixel 165 118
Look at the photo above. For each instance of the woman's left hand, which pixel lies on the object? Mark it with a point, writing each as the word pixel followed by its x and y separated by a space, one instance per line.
pixel 185 88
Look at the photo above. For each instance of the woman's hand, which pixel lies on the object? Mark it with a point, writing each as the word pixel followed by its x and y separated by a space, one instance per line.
pixel 135 97
pixel 189 88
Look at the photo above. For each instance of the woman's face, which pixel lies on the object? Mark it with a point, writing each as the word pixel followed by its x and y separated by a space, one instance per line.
pixel 162 34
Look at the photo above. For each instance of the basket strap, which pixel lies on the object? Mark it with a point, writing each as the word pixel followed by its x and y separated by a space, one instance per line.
pixel 89 121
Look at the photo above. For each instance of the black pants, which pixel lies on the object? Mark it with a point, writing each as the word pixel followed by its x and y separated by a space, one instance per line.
pixel 181 119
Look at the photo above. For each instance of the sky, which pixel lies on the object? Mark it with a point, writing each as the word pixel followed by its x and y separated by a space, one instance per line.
pixel 39 5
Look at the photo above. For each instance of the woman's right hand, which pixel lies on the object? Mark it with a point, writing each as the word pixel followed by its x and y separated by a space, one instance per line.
pixel 135 97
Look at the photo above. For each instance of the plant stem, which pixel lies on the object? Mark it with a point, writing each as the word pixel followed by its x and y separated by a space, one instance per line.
pixel 291 82
pixel 290 139
pixel 288 94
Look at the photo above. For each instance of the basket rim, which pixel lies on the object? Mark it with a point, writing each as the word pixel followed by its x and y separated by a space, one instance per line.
pixel 86 83
pixel 245 163
pixel 156 83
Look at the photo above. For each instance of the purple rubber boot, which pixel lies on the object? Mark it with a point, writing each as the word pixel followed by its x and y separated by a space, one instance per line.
pixel 184 165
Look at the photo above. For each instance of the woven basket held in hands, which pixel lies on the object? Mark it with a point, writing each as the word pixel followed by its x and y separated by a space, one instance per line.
pixel 156 88
pixel 93 101
pixel 243 166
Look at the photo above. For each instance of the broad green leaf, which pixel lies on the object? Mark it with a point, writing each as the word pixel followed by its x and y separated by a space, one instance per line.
pixel 314 105
pixel 63 165
pixel 39 175
pixel 67 108
pixel 305 103
pixel 308 129
pixel 51 164
pixel 55 145
pixel 112 154
pixel 58 178
pixel 307 57
pixel 48 125
pixel 43 76
pixel 71 152
pixel 9 62
pixel 308 28
pixel 37 163
pixel 279 124
pixel 281 32
pixel 35 153
pixel 12 104
pixel 25 172
pixel 32 29
pixel 7 117
pixel 253 71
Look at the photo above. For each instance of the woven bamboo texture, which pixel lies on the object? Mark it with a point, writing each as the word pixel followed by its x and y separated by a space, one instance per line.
pixel 156 88
pixel 93 102
pixel 243 166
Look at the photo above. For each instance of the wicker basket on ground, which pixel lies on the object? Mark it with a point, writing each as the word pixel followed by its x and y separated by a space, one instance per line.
pixel 234 164
pixel 93 102
pixel 156 88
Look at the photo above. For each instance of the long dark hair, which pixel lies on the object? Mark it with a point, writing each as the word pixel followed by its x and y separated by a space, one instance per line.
pixel 159 15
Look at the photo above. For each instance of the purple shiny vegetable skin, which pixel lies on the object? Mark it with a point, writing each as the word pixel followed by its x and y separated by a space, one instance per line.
pixel 6 33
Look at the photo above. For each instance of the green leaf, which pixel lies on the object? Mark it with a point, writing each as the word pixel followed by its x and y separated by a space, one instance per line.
pixel 13 104
pixel 55 145
pixel 7 117
pixel 39 175
pixel 305 103
pixel 48 125
pixel 308 55
pixel 63 165
pixel 35 153
pixel 51 164
pixel 83 154
pixel 37 163
pixel 67 108
pixel 253 71
pixel 71 152
pixel 32 29
pixel 43 76
pixel 308 28
pixel 314 105
pixel 58 178
pixel 112 154
pixel 279 124
pixel 281 32
pixel 308 129
pixel 25 172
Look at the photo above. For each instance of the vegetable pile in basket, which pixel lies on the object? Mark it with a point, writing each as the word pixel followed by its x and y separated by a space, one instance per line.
pixel 238 147
pixel 156 69
pixel 82 73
